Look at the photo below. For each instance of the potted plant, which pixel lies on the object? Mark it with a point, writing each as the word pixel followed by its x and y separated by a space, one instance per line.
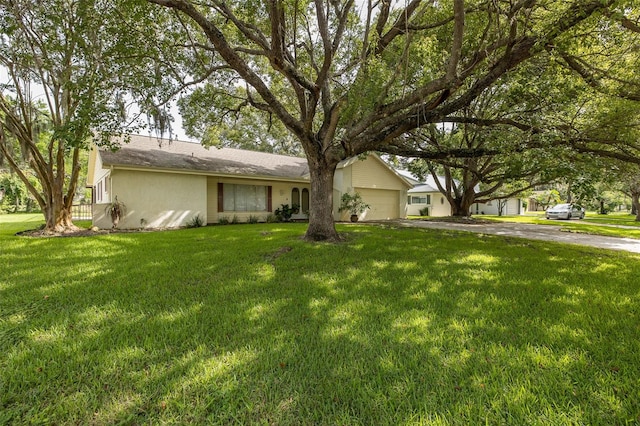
pixel 116 210
pixel 354 204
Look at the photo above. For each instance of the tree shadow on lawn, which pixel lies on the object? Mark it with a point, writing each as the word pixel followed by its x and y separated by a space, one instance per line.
pixel 393 326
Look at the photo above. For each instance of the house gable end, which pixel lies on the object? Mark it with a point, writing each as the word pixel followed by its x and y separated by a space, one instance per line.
pixel 376 174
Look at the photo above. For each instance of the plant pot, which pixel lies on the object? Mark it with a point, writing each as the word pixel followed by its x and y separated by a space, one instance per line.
pixel 354 218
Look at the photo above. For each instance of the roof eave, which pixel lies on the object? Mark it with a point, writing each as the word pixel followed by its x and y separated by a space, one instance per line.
pixel 114 166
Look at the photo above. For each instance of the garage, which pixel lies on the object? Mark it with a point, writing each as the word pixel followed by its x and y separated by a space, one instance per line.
pixel 384 203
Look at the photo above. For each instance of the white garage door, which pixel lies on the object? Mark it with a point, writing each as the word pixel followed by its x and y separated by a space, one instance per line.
pixel 384 203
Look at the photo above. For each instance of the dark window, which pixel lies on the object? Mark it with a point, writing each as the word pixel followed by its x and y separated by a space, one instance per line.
pixel 295 197
pixel 305 201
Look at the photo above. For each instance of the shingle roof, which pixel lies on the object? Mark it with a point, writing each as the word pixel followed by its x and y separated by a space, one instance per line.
pixel 154 153
pixel 422 188
pixel 430 185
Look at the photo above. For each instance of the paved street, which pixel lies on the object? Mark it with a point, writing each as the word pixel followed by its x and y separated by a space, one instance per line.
pixel 532 232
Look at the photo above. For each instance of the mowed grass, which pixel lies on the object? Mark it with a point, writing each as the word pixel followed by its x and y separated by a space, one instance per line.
pixel 614 219
pixel 622 226
pixel 246 324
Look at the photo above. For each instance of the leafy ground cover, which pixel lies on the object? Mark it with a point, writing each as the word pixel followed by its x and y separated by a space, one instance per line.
pixel 249 324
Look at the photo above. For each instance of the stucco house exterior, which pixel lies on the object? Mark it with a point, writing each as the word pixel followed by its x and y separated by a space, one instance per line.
pixel 167 183
pixel 425 195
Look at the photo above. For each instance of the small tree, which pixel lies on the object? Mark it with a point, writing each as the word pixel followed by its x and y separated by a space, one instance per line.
pixel 66 67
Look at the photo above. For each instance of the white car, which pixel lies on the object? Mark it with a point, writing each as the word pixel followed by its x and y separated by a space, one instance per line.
pixel 565 211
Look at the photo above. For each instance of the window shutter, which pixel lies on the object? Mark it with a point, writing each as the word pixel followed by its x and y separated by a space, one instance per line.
pixel 220 197
pixel 269 207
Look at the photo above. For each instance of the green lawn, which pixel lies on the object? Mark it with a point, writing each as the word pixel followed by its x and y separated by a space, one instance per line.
pixel 591 224
pixel 613 219
pixel 249 324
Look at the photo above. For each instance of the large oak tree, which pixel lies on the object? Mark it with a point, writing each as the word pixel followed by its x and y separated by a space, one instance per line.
pixel 347 77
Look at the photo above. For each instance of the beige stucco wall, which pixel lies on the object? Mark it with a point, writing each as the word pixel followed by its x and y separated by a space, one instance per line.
pixel 155 199
pixel 371 173
pixel 512 207
pixel 439 205
pixel 97 175
pixel 414 209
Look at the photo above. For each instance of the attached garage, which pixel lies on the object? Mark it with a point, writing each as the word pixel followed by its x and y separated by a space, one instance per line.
pixel 384 203
pixel 378 185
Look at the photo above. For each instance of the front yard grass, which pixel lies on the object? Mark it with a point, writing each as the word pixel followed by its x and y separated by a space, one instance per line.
pixel 607 225
pixel 249 324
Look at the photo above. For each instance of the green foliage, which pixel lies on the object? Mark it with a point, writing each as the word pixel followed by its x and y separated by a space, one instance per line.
pixel 547 198
pixel 13 191
pixel 284 212
pixel 84 59
pixel 341 79
pixel 218 120
pixel 353 203
pixel 223 220
pixel 253 219
pixel 195 222
pixel 424 211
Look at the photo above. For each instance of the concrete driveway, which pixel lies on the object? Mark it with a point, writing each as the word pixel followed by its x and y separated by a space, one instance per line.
pixel 532 232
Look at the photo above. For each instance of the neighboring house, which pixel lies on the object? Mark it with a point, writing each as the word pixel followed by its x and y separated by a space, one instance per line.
pixel 167 183
pixel 510 207
pixel 425 195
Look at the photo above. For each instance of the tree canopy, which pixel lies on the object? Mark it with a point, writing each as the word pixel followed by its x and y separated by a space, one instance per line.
pixel 69 72
pixel 348 77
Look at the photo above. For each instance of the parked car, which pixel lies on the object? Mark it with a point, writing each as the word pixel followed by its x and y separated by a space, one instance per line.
pixel 565 211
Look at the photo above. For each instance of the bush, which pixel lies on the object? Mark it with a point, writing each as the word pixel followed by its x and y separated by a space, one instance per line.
pixel 424 211
pixel 253 219
pixel 235 219
pixel 223 220
pixel 284 213
pixel 195 222
pixel 271 218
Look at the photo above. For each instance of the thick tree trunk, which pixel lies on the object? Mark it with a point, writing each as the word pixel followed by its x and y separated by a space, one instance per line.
pixel 58 219
pixel 321 223
pixel 635 201
pixel 460 206
pixel 57 211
